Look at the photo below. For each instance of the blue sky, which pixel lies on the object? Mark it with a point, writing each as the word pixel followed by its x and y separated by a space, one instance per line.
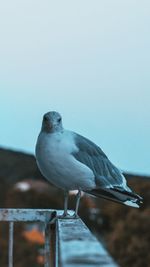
pixel 90 61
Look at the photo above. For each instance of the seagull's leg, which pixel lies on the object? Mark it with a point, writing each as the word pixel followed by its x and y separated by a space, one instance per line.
pixel 66 195
pixel 77 204
pixel 65 214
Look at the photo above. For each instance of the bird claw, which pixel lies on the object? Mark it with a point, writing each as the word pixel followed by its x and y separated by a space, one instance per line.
pixel 68 216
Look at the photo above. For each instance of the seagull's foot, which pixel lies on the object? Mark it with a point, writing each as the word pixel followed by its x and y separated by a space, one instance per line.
pixel 65 215
pixel 68 216
pixel 74 216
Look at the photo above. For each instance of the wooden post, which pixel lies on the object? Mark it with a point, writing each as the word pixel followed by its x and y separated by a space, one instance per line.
pixel 78 247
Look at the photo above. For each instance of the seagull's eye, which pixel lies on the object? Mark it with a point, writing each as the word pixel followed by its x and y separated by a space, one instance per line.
pixel 59 120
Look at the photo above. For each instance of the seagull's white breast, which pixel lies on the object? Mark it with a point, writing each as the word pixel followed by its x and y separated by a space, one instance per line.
pixel 58 165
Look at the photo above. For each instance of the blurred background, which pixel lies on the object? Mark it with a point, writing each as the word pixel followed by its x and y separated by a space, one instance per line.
pixel 90 61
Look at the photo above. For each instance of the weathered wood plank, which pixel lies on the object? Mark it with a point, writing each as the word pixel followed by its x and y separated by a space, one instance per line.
pixel 30 215
pixel 78 247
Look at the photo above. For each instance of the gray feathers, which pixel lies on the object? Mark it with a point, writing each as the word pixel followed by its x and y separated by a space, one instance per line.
pixel 106 174
pixel 110 183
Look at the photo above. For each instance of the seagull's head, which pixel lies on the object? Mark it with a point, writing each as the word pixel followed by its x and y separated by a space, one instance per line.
pixel 52 122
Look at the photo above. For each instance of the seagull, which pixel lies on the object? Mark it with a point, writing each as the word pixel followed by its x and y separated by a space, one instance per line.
pixel 73 162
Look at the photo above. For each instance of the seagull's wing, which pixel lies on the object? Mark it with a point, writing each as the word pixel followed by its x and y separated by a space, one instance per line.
pixel 106 174
pixel 110 182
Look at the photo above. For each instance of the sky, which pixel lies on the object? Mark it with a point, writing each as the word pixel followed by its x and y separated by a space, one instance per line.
pixel 90 61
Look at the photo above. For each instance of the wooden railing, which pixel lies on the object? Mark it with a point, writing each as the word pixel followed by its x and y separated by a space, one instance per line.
pixel 68 242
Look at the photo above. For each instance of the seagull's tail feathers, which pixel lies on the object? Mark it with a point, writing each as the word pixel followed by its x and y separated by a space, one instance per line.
pixel 118 195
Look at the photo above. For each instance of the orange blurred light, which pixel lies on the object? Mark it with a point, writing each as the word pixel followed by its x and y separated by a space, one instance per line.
pixel 34 236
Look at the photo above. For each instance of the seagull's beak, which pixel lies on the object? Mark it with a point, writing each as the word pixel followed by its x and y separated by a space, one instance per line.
pixel 47 124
